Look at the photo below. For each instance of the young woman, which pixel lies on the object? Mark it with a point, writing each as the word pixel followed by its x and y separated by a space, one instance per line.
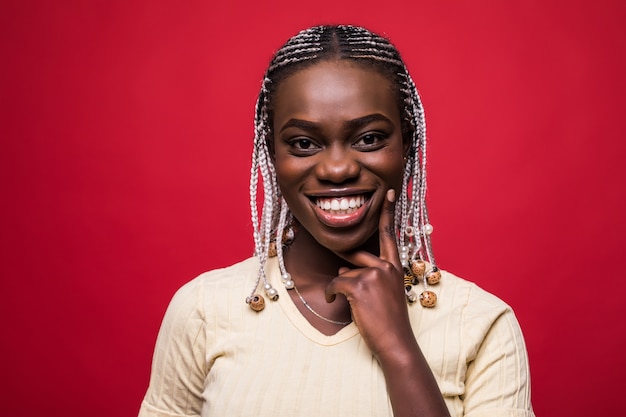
pixel 342 311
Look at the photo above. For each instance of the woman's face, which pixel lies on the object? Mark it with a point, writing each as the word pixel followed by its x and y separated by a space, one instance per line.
pixel 338 148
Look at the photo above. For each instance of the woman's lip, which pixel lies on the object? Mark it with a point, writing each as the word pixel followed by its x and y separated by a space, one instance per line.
pixel 333 219
pixel 347 195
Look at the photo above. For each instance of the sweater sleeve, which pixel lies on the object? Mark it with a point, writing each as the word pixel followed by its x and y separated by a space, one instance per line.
pixel 179 367
pixel 497 382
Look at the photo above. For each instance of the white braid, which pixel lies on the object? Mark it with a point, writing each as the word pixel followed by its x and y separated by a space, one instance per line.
pixel 279 234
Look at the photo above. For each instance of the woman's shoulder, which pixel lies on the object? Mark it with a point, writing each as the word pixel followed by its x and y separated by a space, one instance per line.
pixel 222 283
pixel 466 302
pixel 464 312
pixel 465 293
pixel 242 269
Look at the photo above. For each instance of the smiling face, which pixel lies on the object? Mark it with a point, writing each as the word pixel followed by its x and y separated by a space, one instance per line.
pixel 338 148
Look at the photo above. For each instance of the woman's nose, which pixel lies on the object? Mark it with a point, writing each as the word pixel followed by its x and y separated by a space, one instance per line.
pixel 337 165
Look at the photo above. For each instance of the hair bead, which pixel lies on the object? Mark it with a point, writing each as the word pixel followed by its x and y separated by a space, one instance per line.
pixel 257 302
pixel 418 267
pixel 434 276
pixel 428 299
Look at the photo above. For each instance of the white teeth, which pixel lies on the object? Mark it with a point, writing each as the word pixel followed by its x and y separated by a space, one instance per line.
pixel 340 205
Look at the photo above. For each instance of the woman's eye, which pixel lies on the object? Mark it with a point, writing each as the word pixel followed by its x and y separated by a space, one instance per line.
pixel 303 143
pixel 370 141
pixel 303 146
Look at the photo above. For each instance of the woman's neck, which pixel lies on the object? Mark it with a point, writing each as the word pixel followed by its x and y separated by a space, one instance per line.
pixel 313 264
pixel 312 267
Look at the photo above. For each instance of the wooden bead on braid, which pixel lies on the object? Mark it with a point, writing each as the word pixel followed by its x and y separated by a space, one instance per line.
pixel 408 278
pixel 257 302
pixel 434 276
pixel 272 251
pixel 418 267
pixel 428 299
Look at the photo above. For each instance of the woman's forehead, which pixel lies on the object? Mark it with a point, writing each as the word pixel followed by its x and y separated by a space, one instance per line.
pixel 334 88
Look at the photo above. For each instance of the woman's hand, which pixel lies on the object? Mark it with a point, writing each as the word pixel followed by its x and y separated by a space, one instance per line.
pixel 375 291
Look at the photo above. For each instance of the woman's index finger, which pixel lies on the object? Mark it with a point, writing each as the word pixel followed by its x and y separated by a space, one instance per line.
pixel 387 240
pixel 387 230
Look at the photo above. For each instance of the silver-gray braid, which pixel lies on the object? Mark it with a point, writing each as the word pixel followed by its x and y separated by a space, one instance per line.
pixel 372 51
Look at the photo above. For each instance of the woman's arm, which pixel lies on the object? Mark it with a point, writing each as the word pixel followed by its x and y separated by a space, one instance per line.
pixel 376 294
pixel 497 380
pixel 178 369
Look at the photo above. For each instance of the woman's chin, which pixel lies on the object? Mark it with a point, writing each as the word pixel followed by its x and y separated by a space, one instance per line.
pixel 346 244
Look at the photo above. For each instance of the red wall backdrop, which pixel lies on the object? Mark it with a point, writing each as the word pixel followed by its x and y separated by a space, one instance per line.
pixel 126 131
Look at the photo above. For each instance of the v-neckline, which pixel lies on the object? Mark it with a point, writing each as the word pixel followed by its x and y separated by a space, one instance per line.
pixel 297 319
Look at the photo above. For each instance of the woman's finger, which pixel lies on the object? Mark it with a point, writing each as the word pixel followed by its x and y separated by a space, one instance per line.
pixel 341 284
pixel 387 230
pixel 360 258
pixel 387 240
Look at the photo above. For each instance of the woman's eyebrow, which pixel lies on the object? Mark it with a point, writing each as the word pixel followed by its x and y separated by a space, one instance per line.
pixel 301 124
pixel 349 125
pixel 365 120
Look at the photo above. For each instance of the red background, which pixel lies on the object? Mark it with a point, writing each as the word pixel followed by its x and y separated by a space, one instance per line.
pixel 126 132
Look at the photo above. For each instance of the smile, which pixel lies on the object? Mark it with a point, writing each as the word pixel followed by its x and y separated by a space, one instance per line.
pixel 341 205
pixel 341 211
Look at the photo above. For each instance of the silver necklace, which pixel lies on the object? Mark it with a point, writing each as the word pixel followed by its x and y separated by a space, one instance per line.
pixel 318 315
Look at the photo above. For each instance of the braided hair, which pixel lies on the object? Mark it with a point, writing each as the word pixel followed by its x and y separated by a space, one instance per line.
pixel 311 46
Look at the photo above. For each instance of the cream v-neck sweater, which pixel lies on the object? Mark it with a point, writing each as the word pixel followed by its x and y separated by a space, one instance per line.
pixel 216 357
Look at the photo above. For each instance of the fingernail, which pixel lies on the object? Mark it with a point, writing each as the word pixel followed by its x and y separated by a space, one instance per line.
pixel 391 195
